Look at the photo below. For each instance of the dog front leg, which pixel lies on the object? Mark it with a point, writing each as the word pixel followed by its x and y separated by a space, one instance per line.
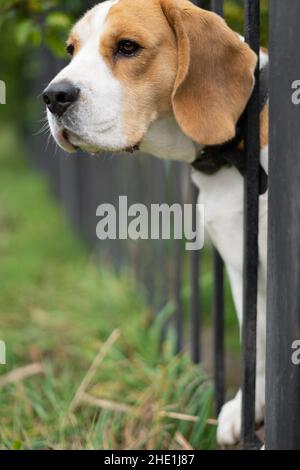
pixel 229 421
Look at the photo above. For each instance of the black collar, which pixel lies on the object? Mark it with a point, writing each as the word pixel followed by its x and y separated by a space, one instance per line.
pixel 214 157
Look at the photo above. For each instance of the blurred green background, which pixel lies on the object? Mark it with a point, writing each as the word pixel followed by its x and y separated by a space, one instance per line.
pixel 58 306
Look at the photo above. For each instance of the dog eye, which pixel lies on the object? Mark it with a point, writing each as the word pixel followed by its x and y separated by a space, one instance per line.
pixel 70 49
pixel 127 48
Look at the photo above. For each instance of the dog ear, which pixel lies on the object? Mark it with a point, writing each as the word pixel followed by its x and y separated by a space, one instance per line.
pixel 215 75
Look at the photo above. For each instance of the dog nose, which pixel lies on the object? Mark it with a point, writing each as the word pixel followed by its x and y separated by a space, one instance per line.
pixel 59 97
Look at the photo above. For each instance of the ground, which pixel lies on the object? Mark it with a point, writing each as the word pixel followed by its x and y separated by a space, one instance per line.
pixel 83 368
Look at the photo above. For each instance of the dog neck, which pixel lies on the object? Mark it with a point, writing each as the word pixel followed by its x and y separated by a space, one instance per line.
pixel 165 139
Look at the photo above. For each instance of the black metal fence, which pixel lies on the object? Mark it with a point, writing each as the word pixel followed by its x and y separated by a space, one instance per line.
pixel 283 318
pixel 83 183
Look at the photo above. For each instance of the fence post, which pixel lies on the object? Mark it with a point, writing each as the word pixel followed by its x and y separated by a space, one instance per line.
pixel 195 306
pixel 178 264
pixel 218 300
pixel 195 259
pixel 252 37
pixel 283 317
pixel 218 6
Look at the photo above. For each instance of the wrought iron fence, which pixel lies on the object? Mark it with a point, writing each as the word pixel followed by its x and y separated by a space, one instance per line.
pixel 283 318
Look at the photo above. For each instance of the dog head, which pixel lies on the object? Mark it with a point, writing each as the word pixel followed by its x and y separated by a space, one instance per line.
pixel 134 62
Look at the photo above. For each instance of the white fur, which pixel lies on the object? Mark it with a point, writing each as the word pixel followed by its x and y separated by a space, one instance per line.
pixel 95 120
pixel 165 139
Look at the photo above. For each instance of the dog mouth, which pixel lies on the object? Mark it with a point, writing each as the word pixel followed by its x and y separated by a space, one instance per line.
pixel 72 142
pixel 64 140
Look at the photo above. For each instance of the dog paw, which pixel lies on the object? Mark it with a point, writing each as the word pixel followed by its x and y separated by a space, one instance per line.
pixel 229 422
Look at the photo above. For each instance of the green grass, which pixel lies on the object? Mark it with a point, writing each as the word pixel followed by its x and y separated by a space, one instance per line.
pixel 57 309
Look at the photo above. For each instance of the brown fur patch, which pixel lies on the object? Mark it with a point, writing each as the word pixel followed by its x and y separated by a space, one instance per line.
pixel 264 127
pixel 147 78
pixel 190 60
pixel 215 73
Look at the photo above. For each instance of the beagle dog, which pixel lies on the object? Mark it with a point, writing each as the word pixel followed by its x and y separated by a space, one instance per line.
pixel 169 78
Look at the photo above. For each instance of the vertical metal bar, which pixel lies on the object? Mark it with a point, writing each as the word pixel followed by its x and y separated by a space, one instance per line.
pixel 177 282
pixel 165 261
pixel 177 297
pixel 219 330
pixel 203 4
pixel 195 307
pixel 163 255
pixel 283 318
pixel 252 37
pixel 218 300
pixel 218 6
